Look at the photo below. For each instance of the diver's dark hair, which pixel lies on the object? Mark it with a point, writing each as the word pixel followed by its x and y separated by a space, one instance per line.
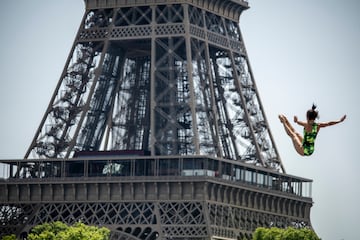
pixel 312 114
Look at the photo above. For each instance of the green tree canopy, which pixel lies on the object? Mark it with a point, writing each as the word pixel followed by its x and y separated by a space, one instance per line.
pixel 9 237
pixel 284 234
pixel 60 231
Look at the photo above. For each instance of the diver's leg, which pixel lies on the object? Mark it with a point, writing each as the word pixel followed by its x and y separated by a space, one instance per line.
pixel 288 128
pixel 285 121
pixel 293 131
pixel 295 137
pixel 298 146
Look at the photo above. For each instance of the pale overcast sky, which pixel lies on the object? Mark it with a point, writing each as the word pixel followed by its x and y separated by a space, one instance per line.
pixel 300 52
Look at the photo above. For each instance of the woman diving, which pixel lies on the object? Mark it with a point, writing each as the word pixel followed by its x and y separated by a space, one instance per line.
pixel 305 145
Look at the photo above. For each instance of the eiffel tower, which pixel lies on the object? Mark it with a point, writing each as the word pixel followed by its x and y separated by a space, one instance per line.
pixel 156 131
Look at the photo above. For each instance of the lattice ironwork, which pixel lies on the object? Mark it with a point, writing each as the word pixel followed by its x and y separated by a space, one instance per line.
pixel 149 220
pixel 171 79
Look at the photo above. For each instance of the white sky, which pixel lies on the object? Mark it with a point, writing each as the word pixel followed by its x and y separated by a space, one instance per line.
pixel 300 52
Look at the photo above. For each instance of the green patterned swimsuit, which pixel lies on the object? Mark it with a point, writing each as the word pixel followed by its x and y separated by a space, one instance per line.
pixel 309 140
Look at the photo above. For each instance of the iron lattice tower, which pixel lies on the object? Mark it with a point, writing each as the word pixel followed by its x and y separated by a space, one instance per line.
pixel 156 130
pixel 169 77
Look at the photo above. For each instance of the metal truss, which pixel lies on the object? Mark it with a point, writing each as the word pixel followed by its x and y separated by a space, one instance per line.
pixel 171 79
pixel 149 220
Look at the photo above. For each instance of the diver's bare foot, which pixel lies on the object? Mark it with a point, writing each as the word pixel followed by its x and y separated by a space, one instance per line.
pixel 282 118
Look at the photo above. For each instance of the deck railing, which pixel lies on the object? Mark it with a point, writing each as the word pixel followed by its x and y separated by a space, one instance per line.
pixel 142 167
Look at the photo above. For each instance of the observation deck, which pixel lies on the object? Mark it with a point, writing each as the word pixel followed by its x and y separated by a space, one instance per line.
pixel 148 168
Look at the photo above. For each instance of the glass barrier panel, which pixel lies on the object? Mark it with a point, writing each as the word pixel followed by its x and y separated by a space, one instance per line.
pixel 75 168
pixel 98 168
pixel 169 167
pixel 144 167
pixel 121 167
pixel 196 167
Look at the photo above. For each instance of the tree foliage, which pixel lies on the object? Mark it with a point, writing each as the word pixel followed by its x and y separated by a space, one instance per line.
pixel 60 231
pixel 284 234
pixel 9 237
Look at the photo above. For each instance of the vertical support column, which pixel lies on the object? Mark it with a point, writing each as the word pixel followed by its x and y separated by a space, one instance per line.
pixel 190 76
pixel 152 82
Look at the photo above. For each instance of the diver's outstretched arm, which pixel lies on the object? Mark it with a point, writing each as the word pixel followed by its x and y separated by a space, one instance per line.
pixel 326 124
